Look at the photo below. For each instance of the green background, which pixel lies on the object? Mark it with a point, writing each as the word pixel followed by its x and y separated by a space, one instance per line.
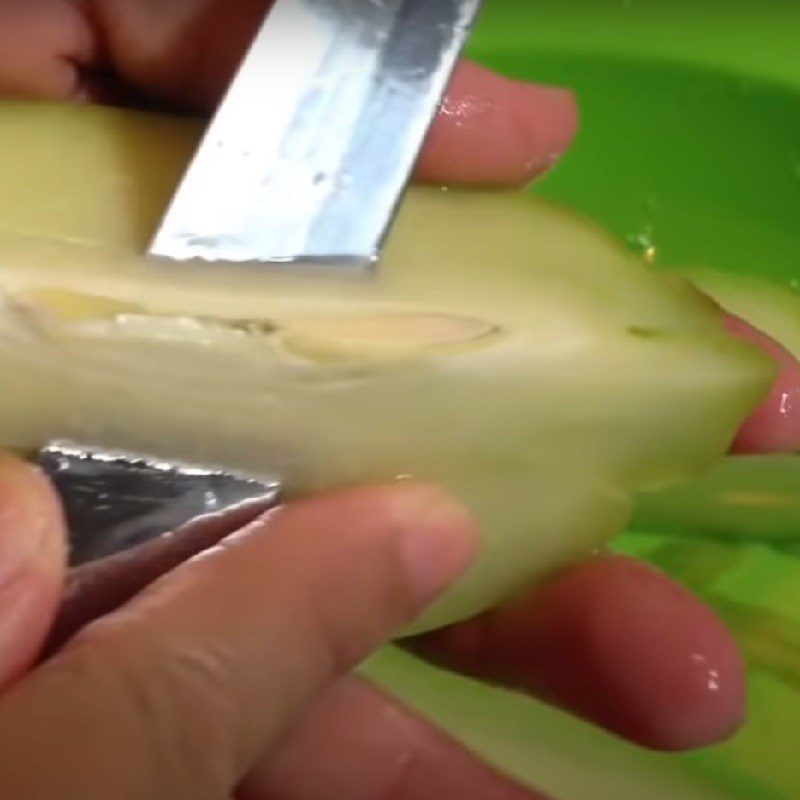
pixel 690 143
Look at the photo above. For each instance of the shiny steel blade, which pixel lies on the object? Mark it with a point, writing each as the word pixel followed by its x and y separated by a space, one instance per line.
pixel 313 146
pixel 116 501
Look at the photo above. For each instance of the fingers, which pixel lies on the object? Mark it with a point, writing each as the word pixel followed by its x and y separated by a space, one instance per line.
pixel 32 564
pixel 180 691
pixel 616 642
pixel 43 45
pixel 775 426
pixel 365 745
pixel 493 130
pixel 184 52
pixel 472 648
pixel 98 588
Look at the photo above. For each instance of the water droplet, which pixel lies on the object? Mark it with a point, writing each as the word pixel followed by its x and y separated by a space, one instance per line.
pixel 643 244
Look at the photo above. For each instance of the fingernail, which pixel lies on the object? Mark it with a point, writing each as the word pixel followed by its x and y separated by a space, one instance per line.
pixel 440 539
pixel 28 535
pixel 549 119
pixel 774 427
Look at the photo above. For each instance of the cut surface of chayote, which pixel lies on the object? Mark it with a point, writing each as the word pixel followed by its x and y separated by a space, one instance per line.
pixel 506 349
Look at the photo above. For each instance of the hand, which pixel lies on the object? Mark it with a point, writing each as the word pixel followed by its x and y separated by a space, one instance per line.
pixel 182 53
pixel 135 683
pixel 229 675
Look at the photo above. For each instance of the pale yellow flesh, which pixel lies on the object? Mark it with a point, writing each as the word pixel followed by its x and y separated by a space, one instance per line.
pixel 769 306
pixel 507 350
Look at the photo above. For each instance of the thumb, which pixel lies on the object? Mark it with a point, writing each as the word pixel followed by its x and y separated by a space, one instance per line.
pixel 32 564
pixel 178 693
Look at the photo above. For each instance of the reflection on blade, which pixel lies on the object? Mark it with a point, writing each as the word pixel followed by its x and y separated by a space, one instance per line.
pixel 314 143
pixel 115 501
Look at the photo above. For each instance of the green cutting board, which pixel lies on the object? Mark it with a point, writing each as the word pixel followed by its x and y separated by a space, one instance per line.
pixel 690 144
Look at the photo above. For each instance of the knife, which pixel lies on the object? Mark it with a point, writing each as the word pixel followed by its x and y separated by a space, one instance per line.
pixel 309 154
pixel 306 160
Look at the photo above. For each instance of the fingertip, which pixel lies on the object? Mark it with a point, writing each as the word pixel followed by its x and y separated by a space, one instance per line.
pixel 497 131
pixel 618 643
pixel 774 427
pixel 441 539
pixel 647 659
pixel 548 119
pixel 435 536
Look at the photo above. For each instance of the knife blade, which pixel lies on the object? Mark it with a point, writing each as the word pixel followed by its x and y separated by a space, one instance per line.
pixel 115 501
pixel 309 154
pixel 306 160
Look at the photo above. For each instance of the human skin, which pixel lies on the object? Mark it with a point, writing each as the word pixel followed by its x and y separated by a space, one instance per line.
pixel 634 632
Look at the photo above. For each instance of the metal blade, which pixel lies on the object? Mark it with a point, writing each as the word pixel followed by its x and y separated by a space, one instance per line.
pixel 116 501
pixel 313 146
